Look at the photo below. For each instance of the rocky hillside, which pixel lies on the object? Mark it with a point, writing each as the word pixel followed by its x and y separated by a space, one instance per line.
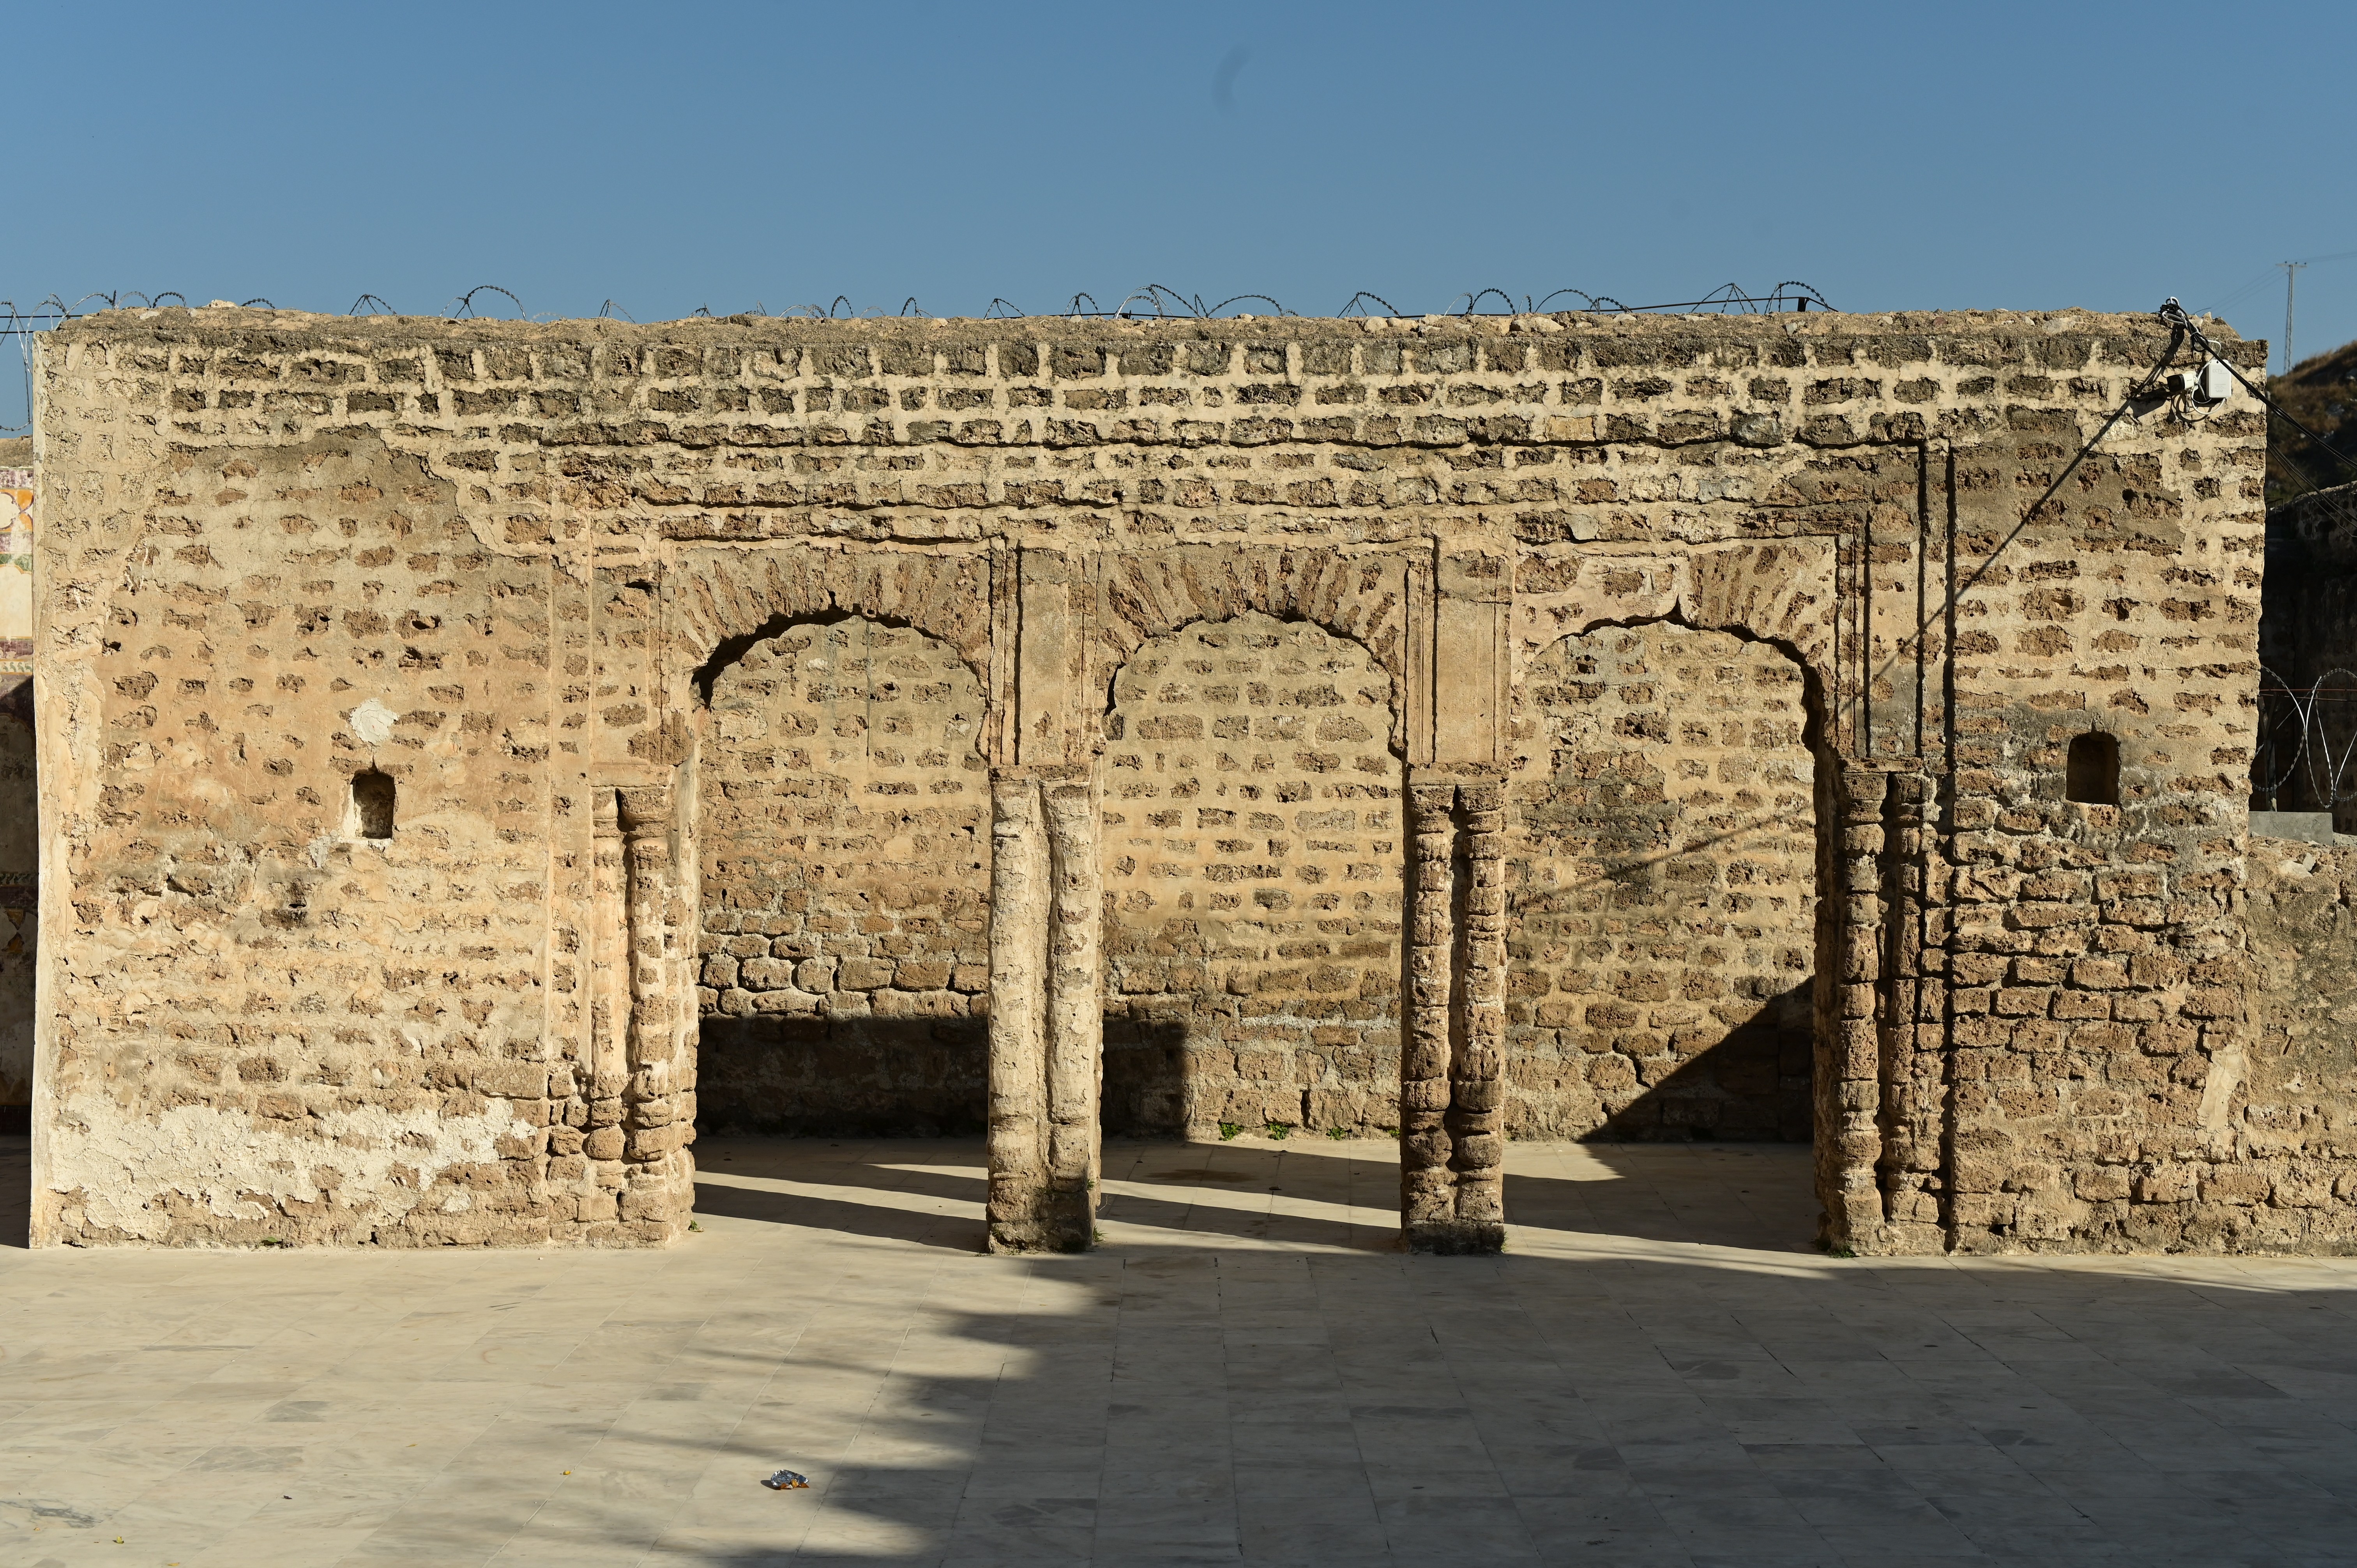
pixel 2322 393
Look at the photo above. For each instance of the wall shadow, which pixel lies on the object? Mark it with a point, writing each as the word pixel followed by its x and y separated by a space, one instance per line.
pixel 16 1190
pixel 842 1077
pixel 1189 1400
pixel 1754 1086
pixel 1145 1093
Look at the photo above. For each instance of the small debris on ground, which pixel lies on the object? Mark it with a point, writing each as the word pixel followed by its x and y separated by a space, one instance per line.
pixel 787 1481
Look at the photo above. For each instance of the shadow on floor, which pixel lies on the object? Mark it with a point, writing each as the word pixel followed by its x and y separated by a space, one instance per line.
pixel 1722 1195
pixel 1184 1403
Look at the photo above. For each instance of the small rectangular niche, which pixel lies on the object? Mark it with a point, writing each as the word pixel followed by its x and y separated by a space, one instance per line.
pixel 2092 772
pixel 373 803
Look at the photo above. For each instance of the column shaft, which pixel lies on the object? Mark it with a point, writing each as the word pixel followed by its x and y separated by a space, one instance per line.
pixel 1849 1060
pixel 657 1123
pixel 1452 1052
pixel 1075 1033
pixel 1018 927
pixel 1427 1195
pixel 1478 1032
pixel 1047 1027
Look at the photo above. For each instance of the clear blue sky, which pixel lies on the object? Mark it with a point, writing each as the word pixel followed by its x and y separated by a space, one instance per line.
pixel 669 157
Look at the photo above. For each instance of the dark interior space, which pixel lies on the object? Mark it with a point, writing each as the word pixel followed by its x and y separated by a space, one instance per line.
pixel 807 1077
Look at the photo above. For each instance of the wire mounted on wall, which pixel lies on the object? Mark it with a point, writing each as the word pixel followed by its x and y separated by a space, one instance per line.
pixel 466 301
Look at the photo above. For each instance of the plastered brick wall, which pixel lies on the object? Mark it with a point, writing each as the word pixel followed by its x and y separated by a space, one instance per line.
pixel 534 548
pixel 1252 882
pixel 846 887
pixel 2278 1174
pixel 350 1021
pixel 1662 891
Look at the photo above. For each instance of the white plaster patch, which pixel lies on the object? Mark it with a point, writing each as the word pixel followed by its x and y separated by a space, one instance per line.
pixel 117 1158
pixel 372 722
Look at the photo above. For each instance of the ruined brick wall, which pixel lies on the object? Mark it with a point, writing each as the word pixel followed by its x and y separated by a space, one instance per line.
pixel 1252 884
pixel 846 841
pixel 1663 889
pixel 522 572
pixel 2276 1169
pixel 343 1034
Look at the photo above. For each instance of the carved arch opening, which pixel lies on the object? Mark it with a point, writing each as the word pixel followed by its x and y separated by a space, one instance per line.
pixel 726 603
pixel 1373 599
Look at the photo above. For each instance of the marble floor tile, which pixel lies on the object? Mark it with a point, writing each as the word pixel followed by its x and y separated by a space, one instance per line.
pixel 1659 1370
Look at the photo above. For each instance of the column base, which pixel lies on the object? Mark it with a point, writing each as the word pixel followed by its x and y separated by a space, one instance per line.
pixel 1455 1238
pixel 1048 1222
pixel 1014 1239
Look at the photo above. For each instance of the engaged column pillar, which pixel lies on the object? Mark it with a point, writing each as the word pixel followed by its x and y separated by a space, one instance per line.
pixel 1047 1028
pixel 1452 1049
pixel 659 1177
pixel 1849 1061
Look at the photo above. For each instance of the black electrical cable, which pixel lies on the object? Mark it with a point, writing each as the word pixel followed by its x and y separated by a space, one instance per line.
pixel 2174 314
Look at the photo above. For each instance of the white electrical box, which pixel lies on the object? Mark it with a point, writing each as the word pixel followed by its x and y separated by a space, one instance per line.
pixel 2216 382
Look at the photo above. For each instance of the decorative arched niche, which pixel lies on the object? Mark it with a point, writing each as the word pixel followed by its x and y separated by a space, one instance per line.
pixel 1251 845
pixel 844 872
pixel 1662 886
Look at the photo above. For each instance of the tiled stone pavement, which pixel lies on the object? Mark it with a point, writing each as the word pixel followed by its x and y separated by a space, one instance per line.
pixel 1658 1372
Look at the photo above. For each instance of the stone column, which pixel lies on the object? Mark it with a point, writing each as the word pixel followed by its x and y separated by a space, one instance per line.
pixel 1478 1023
pixel 1075 1032
pixel 1849 1052
pixel 658 1177
pixel 1047 1027
pixel 1452 1053
pixel 1915 1077
pixel 1427 1190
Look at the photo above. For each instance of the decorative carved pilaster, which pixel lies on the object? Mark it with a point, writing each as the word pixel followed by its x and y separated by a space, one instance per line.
pixel 645 821
pixel 1452 1148
pixel 1914 1068
pixel 1478 1027
pixel 658 1123
pixel 1427 1192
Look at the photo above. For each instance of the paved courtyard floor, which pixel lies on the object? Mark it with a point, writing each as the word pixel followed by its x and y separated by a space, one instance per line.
pixel 1659 1371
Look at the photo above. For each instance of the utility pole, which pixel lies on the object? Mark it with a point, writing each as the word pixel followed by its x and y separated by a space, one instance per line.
pixel 2291 277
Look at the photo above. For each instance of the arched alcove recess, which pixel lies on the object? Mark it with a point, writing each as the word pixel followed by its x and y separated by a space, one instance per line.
pixel 1662 888
pixel 1785 593
pixel 844 844
pixel 1371 598
pixel 1779 591
pixel 1251 842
